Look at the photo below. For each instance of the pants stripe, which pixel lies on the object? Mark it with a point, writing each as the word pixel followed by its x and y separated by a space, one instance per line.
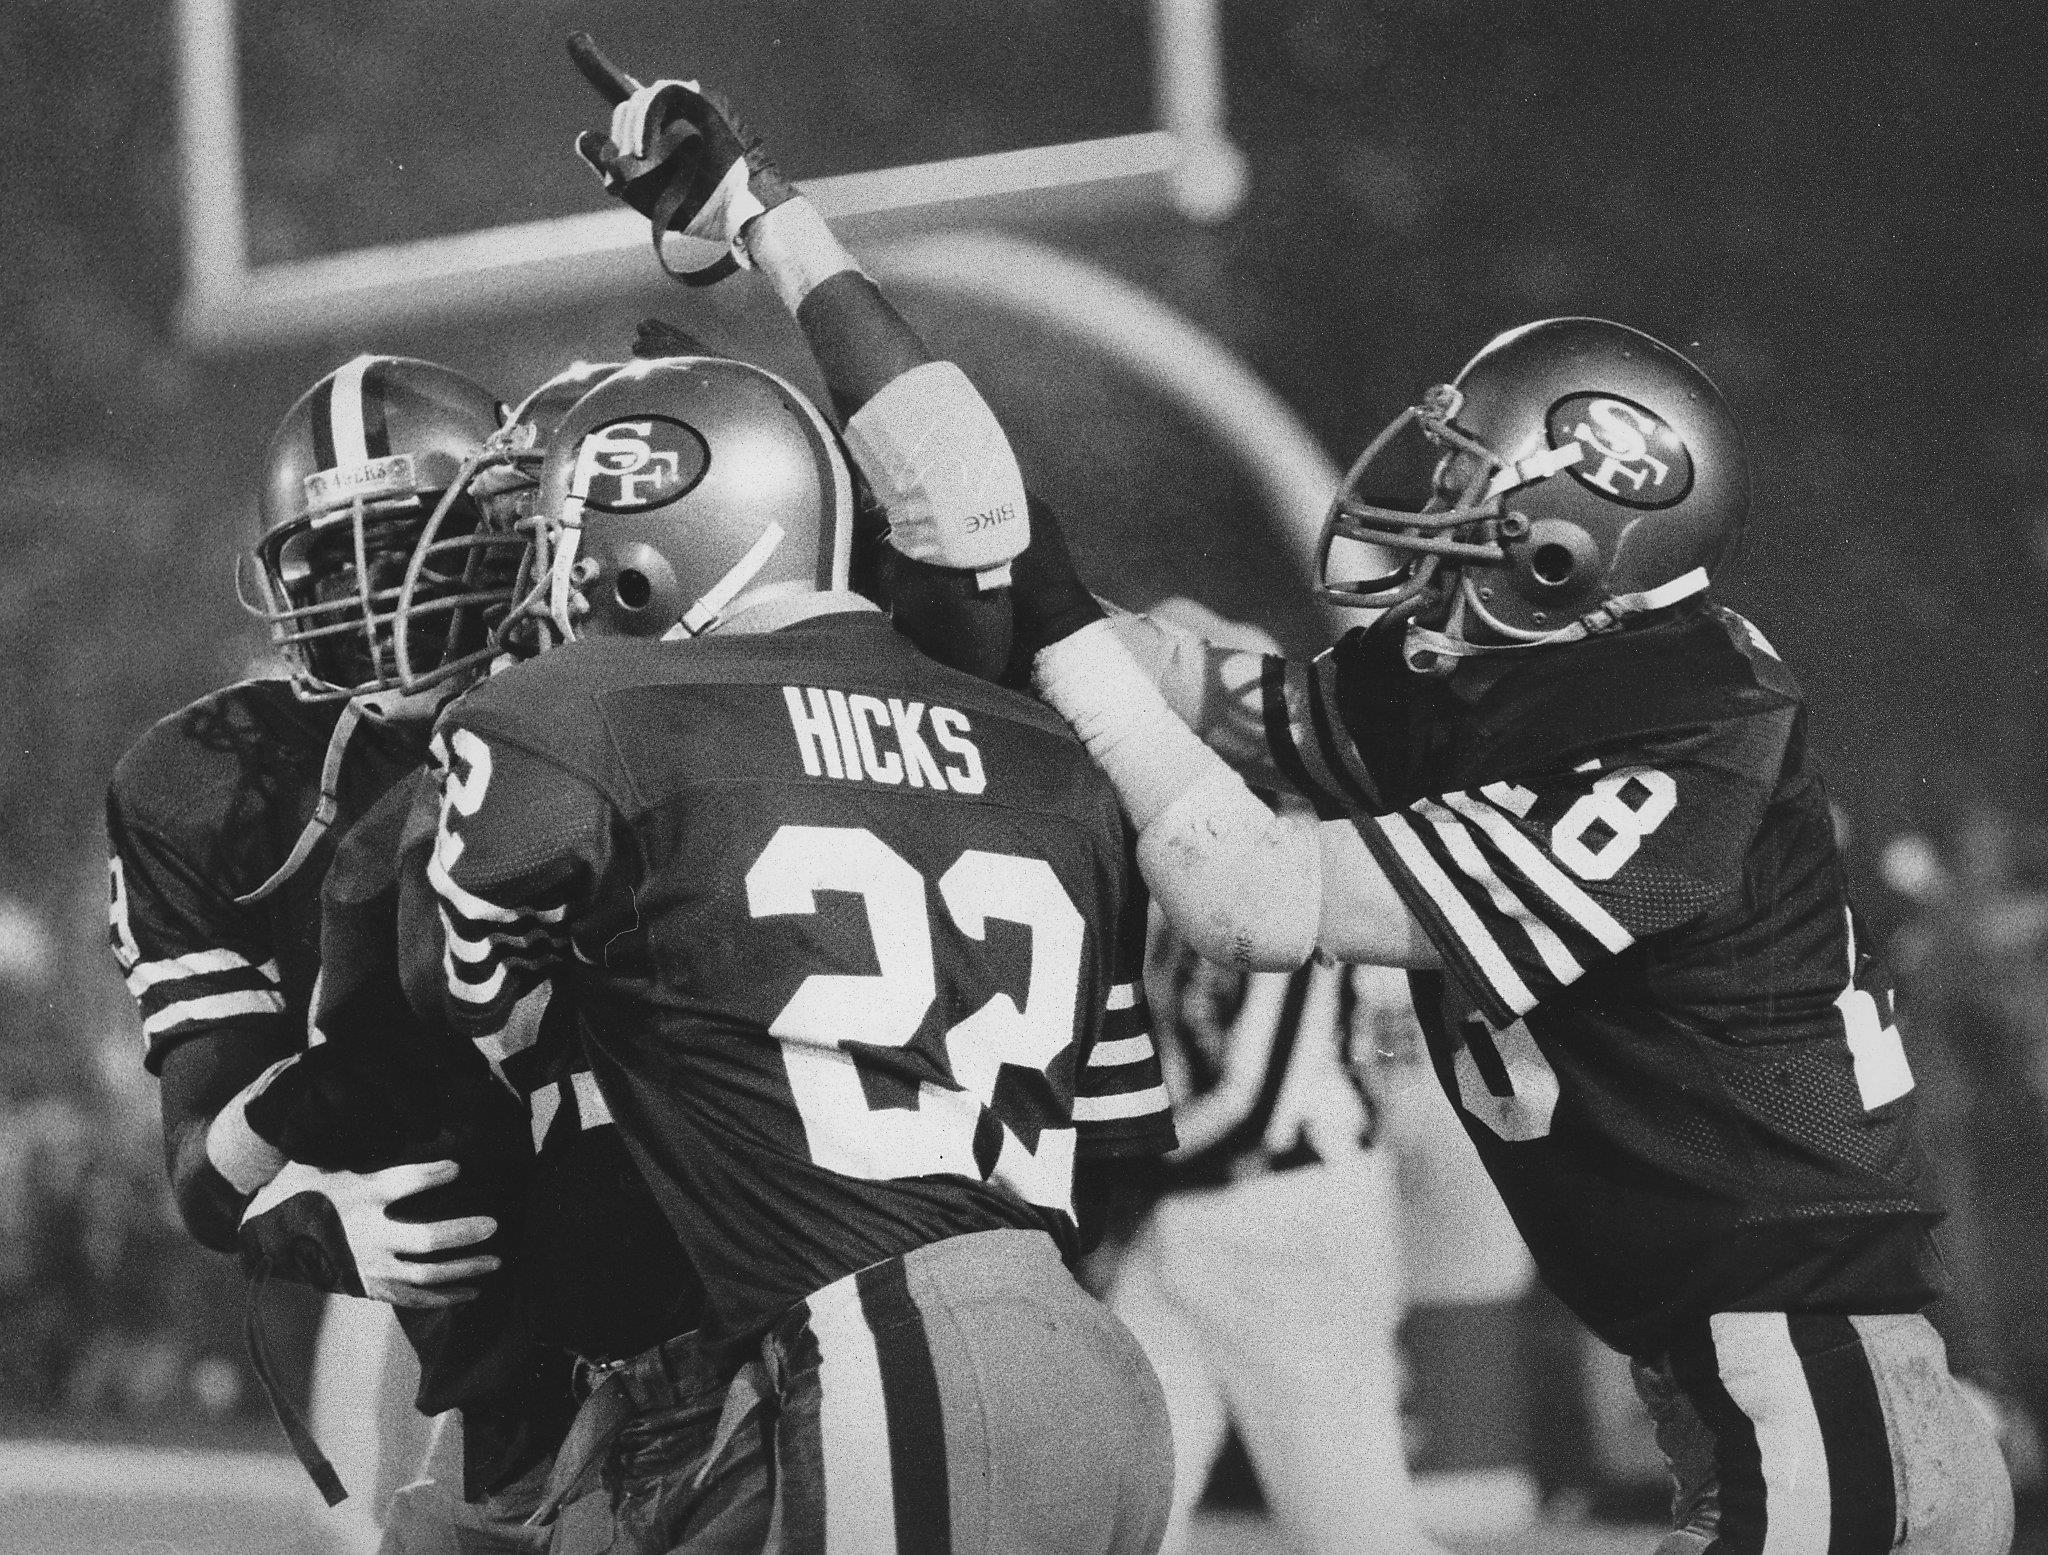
pixel 1853 1431
pixel 860 1496
pixel 1763 1375
pixel 1738 1461
pixel 910 1397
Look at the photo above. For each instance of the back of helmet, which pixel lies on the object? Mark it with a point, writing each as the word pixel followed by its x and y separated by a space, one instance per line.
pixel 682 492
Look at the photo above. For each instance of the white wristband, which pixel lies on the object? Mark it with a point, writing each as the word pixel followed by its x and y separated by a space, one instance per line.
pixel 245 1158
pixel 795 249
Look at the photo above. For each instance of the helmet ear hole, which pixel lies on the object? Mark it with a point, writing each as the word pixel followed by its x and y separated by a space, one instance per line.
pixel 633 590
pixel 1558 556
pixel 1553 564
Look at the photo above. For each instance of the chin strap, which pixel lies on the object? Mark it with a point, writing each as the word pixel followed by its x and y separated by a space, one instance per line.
pixel 710 606
pixel 324 809
pixel 1430 652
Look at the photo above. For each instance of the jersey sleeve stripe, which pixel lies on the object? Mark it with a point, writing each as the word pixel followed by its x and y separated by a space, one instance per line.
pixel 1128 1104
pixel 1282 742
pixel 591 1111
pixel 1538 869
pixel 1122 996
pixel 1126 1050
pixel 1466 854
pixel 196 963
pixel 1313 687
pixel 1464 933
pixel 480 991
pixel 188 990
pixel 475 908
pixel 1345 751
pixel 541 1107
pixel 213 1007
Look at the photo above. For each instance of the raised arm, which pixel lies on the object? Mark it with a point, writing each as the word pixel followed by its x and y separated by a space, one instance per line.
pixel 936 462
pixel 1243 886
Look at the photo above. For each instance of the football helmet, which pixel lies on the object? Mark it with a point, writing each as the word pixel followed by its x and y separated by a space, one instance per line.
pixel 351 475
pixel 502 481
pixel 682 489
pixel 1585 472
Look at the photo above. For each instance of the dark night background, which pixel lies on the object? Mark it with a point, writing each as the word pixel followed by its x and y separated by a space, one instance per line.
pixel 1837 209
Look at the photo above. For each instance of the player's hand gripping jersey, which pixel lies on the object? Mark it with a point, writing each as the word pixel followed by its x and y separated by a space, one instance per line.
pixel 1682 1073
pixel 851 939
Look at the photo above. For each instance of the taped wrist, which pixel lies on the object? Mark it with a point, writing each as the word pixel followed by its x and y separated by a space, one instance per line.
pixel 243 1157
pixel 1047 595
pixel 1242 885
pixel 795 249
pixel 943 471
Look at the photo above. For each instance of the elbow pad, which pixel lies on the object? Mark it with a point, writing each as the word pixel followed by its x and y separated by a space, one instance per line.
pixel 943 471
pixel 1242 885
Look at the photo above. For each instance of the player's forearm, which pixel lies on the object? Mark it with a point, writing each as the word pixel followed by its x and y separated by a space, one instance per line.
pixel 1242 885
pixel 209 1205
pixel 215 1163
pixel 861 343
pixel 929 446
pixel 1237 881
pixel 1217 692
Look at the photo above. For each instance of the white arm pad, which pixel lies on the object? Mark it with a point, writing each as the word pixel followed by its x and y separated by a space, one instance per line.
pixel 245 1158
pixel 942 469
pixel 1242 885
pixel 795 249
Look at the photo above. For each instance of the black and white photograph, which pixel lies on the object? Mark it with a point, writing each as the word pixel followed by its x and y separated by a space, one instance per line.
pixel 1023 777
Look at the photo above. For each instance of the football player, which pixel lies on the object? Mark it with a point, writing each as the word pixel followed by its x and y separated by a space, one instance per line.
pixel 839 930
pixel 1572 794
pixel 1266 1283
pixel 863 1123
pixel 223 821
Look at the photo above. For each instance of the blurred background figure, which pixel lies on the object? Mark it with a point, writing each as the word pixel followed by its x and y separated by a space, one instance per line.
pixel 1266 1283
pixel 1972 964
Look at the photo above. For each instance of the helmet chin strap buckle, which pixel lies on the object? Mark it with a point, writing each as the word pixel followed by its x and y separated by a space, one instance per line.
pixel 705 614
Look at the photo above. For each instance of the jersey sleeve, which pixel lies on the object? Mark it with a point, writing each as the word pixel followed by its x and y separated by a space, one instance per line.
pixel 1523 885
pixel 519 844
pixel 195 961
pixel 1120 1099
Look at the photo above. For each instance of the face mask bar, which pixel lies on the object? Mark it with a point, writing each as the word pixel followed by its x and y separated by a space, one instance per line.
pixel 1430 534
pixel 301 630
pixel 456 599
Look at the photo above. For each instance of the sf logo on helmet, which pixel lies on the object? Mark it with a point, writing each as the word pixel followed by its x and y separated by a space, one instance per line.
pixel 631 466
pixel 1628 453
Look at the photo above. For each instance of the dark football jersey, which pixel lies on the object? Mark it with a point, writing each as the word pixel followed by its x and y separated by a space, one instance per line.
pixel 203 814
pixel 853 941
pixel 594 1264
pixel 1679 1068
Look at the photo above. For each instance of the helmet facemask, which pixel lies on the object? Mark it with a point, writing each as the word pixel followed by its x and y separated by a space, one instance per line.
pixel 458 603
pixel 1453 541
pixel 332 583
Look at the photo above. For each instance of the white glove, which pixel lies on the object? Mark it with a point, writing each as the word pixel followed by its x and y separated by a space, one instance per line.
pixel 335 1230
